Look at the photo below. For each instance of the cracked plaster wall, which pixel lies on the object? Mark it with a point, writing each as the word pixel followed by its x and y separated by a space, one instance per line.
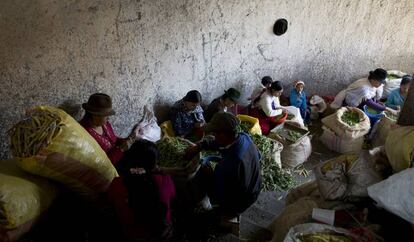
pixel 153 51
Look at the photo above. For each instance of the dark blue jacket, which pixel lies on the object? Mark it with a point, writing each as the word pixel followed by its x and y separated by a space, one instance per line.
pixel 237 178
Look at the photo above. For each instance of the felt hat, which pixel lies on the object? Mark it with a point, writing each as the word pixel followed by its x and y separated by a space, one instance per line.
pixel 222 121
pixel 99 104
pixel 233 94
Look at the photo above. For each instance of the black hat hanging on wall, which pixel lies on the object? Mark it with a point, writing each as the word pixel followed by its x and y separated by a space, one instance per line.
pixel 280 27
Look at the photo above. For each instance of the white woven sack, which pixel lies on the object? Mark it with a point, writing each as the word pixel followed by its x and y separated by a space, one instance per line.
pixel 343 130
pixel 342 145
pixel 296 154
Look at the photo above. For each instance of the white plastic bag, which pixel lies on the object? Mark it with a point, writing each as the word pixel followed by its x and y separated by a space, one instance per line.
pixel 391 84
pixel 148 128
pixel 396 194
pixel 318 102
pixel 297 117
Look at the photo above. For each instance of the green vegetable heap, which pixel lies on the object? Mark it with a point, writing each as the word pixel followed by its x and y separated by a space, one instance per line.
pixel 273 177
pixel 371 110
pixel 246 126
pixel 392 76
pixel 172 152
pixel 293 135
pixel 350 117
pixel 290 116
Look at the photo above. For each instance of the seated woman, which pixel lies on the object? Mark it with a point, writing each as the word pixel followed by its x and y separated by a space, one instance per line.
pixel 365 91
pixel 222 103
pixel 298 99
pixel 187 116
pixel 396 98
pixel 267 109
pixel 142 195
pixel 97 110
pixel 266 83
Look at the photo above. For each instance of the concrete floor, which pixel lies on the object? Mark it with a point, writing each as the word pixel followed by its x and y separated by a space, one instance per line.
pixel 256 219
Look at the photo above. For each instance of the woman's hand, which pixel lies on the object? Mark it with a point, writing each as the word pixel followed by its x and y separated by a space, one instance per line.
pixel 134 131
pixel 199 125
pixel 392 111
pixel 125 144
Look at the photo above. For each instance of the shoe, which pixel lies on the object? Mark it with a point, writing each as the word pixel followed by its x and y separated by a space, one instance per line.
pixel 232 225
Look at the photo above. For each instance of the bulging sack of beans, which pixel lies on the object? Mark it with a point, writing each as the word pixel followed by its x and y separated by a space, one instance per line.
pixel 50 143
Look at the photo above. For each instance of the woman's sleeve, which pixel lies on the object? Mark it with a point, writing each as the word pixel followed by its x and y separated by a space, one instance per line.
pixel 115 154
pixel 201 116
pixel 391 101
pixel 304 104
pixel 372 104
pixel 292 98
pixel 266 105
pixel 176 120
pixel 378 92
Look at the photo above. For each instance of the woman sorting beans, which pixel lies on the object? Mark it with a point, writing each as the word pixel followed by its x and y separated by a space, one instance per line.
pixel 142 195
pixel 187 116
pixel 267 109
pixel 95 121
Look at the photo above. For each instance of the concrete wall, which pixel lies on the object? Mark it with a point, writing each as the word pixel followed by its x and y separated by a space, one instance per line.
pixel 154 51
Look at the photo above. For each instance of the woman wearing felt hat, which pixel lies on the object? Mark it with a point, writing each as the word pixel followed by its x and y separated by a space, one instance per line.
pixel 222 103
pixel 97 110
pixel 365 91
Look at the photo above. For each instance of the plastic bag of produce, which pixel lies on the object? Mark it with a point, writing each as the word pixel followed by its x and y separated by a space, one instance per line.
pixel 399 147
pixel 23 199
pixel 148 128
pixel 318 232
pixel 50 143
pixel 340 144
pixel 348 122
pixel 249 124
pixel 396 194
